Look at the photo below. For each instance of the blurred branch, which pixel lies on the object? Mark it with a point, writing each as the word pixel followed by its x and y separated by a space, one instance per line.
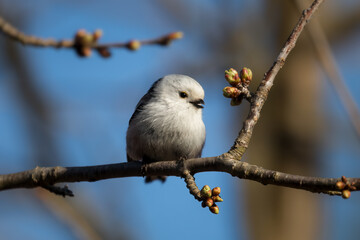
pixel 36 107
pixel 342 26
pixel 70 215
pixel 227 162
pixel 83 42
pixel 41 176
pixel 329 64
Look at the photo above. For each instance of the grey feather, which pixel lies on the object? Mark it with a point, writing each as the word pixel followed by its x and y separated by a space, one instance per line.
pixel 144 100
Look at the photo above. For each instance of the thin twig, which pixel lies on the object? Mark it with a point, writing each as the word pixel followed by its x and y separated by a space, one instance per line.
pixel 191 185
pixel 71 215
pixel 19 36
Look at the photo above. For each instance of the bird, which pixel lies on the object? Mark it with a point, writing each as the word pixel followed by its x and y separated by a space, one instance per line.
pixel 167 123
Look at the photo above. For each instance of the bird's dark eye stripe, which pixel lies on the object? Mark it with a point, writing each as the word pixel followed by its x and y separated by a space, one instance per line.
pixel 183 94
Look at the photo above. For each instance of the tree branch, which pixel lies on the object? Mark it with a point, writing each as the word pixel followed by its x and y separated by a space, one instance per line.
pixel 40 176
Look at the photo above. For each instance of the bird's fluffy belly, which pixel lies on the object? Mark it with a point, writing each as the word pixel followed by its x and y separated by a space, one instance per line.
pixel 177 139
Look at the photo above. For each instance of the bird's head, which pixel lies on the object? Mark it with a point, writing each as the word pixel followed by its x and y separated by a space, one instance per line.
pixel 182 91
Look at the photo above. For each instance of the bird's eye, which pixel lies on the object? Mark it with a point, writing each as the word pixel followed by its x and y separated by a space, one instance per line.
pixel 183 94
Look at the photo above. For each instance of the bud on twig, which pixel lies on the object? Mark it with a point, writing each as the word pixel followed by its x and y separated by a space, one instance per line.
pixel 209 202
pixel 346 194
pixel 343 178
pixel 166 40
pixel 245 76
pixel 104 52
pixel 175 35
pixel 80 34
pixel 133 45
pixel 340 185
pixel 232 77
pixel 231 92
pixel 205 192
pixel 97 34
pixel 88 39
pixel 214 209
pixel 83 42
pixel 86 52
pixel 216 191
pixel 217 198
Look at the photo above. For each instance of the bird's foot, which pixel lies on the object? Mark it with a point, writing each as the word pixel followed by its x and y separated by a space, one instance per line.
pixel 144 167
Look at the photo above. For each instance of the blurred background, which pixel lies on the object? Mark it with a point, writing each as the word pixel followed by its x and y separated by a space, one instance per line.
pixel 59 109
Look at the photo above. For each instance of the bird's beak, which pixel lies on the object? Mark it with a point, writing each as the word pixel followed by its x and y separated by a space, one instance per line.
pixel 198 103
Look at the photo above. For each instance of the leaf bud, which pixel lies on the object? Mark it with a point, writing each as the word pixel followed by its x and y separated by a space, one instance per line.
pixel 246 76
pixel 205 192
pixel 97 34
pixel 133 45
pixel 217 198
pixel 346 194
pixel 85 52
pixel 232 77
pixel 209 202
pixel 214 209
pixel 231 92
pixel 81 33
pixel 340 185
pixel 216 191
pixel 104 52
pixel 175 35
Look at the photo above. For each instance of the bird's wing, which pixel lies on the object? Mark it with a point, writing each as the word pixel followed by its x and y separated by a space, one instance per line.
pixel 145 100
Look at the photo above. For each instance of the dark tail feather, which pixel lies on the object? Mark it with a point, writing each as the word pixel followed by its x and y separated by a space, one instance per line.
pixel 149 179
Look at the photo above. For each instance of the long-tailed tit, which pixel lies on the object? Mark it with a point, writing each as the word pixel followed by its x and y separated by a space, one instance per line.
pixel 167 123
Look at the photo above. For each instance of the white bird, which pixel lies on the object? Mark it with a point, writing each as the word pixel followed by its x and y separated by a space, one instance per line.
pixel 167 123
